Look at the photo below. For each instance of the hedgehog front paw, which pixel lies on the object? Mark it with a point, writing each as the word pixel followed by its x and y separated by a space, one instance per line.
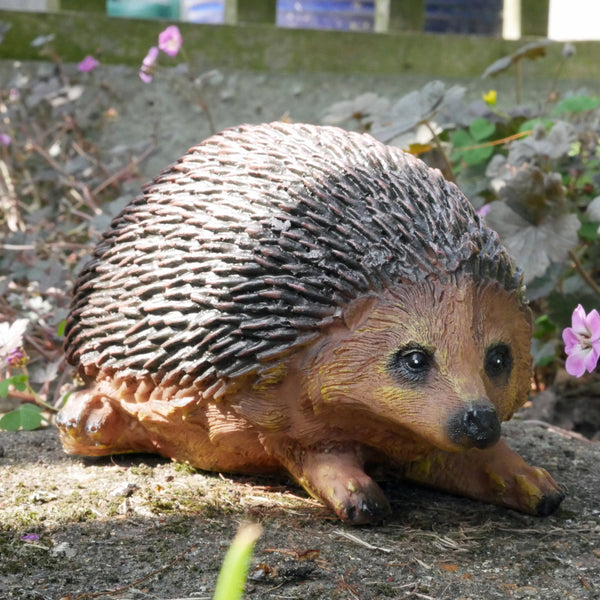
pixel 337 479
pixel 496 475
pixel 359 503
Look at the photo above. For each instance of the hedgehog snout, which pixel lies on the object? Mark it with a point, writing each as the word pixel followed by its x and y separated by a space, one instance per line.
pixel 475 425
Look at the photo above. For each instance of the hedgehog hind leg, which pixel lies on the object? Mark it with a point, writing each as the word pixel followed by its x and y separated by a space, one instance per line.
pixel 92 424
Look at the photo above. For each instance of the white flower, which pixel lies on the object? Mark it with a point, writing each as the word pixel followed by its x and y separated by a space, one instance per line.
pixel 11 336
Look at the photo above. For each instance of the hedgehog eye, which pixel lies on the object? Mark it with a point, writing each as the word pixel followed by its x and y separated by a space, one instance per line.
pixel 411 363
pixel 498 362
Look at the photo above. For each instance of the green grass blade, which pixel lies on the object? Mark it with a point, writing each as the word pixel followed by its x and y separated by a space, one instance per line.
pixel 232 577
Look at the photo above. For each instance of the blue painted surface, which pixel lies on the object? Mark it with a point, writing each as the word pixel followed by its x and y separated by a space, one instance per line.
pixel 464 16
pixel 349 15
pixel 333 14
pixel 142 9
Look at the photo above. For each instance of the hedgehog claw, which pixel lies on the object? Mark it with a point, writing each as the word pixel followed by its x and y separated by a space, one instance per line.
pixel 365 508
pixel 549 503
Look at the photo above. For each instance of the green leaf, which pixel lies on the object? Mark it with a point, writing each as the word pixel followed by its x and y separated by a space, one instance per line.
pixel 461 138
pixel 64 399
pixel 543 327
pixel 589 231
pixel 477 155
pixel 577 104
pixel 585 179
pixel 532 123
pixel 27 417
pixel 61 328
pixel 19 382
pixel 543 353
pixel 481 129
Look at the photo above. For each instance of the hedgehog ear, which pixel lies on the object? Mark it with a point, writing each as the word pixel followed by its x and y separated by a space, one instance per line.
pixel 357 311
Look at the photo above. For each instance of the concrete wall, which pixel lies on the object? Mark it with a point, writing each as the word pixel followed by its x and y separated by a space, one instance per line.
pixel 259 47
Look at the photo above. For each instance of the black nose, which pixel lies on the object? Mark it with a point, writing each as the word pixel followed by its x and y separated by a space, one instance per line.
pixel 476 426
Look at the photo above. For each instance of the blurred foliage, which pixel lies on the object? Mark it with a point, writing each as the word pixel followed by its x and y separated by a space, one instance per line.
pixel 57 195
pixel 532 170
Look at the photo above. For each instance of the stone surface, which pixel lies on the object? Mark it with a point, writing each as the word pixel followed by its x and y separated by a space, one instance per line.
pixel 64 534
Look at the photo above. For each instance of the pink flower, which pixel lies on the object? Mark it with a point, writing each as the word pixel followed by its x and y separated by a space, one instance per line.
pixel 582 342
pixel 170 40
pixel 148 65
pixel 5 139
pixel 89 63
pixel 484 210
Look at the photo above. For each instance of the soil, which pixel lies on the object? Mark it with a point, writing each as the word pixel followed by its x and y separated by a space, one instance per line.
pixel 142 527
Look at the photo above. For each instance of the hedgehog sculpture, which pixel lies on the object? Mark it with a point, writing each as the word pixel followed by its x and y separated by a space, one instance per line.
pixel 304 298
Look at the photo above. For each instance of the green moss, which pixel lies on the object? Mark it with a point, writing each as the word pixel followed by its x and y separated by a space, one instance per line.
pixel 26 520
pixel 185 468
pixel 164 505
pixel 95 6
pixel 141 470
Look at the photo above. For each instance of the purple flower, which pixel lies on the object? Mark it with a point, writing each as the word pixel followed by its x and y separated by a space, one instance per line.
pixel 148 65
pixel 582 342
pixel 170 40
pixel 89 63
pixel 5 139
pixel 16 358
pixel 30 537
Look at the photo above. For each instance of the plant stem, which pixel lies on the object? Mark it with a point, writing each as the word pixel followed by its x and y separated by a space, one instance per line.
pixel 518 81
pixel 38 400
pixel 584 274
pixel 554 85
pixel 30 396
pixel 500 142
pixel 234 570
pixel 449 173
pixel 200 101
pixel 34 396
